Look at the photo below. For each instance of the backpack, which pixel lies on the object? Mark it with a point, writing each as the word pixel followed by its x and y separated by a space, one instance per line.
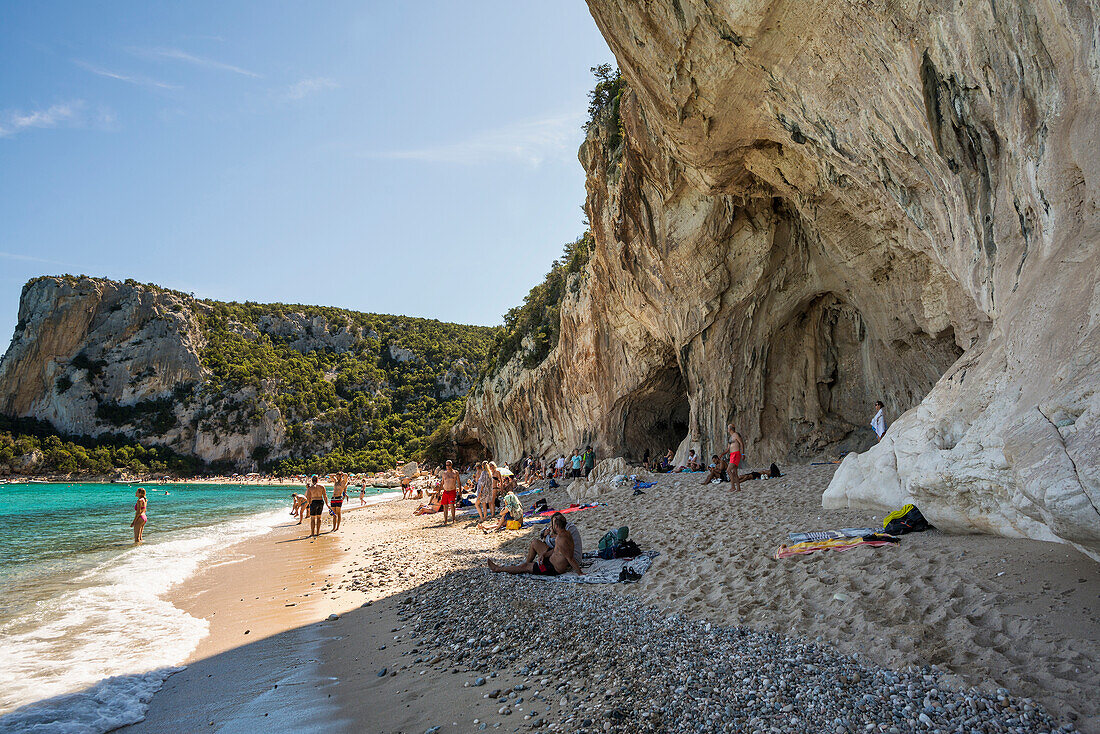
pixel 906 520
pixel 773 472
pixel 612 538
pixel 625 549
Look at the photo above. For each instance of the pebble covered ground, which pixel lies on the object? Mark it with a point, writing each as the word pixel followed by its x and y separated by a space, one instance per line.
pixel 597 662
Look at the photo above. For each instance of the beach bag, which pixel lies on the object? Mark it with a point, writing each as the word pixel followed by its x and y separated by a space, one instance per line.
pixel 906 520
pixel 612 538
pixel 540 506
pixel 514 524
pixel 773 472
pixel 553 484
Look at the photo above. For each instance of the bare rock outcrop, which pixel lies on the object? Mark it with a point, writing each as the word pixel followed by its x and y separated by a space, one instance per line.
pixel 817 205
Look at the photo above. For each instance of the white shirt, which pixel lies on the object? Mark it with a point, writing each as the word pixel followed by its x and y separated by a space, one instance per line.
pixel 879 423
pixel 560 463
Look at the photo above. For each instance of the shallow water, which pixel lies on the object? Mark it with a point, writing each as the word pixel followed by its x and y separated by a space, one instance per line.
pixel 82 621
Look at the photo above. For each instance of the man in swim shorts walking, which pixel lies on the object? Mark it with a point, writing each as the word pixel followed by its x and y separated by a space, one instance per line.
pixel 451 479
pixel 736 451
pixel 317 498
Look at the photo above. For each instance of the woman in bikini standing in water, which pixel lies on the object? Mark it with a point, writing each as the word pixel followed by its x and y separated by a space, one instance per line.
pixel 139 515
pixel 339 492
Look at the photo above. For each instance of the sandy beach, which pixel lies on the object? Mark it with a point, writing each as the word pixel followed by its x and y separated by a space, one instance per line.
pixel 987 629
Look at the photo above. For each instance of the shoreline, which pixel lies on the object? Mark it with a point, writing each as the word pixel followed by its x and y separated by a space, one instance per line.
pixel 971 611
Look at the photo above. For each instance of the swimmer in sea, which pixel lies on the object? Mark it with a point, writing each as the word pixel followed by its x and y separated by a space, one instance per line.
pixel 139 515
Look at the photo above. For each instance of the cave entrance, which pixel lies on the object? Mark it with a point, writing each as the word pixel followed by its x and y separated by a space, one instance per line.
pixel 655 416
pixel 470 450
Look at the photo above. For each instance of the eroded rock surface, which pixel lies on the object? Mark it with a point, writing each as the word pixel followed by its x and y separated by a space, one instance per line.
pixel 822 204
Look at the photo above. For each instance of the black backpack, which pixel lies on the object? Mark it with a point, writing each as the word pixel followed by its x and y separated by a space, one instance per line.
pixel 906 520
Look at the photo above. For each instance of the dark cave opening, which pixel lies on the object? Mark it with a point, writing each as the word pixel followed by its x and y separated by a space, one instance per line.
pixel 655 416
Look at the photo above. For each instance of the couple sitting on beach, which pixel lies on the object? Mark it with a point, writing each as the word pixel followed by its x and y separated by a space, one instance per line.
pixel 554 552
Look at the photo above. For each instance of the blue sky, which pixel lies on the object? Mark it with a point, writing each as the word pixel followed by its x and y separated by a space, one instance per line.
pixel 396 157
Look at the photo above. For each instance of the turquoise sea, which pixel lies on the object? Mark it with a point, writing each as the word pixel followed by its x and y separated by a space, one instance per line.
pixel 79 603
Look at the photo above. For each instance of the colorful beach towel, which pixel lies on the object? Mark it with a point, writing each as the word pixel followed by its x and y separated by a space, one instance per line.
pixel 572 508
pixel 838 544
pixel 605 571
pixel 644 485
pixel 831 534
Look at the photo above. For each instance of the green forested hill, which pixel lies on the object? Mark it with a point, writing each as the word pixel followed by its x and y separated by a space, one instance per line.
pixel 357 391
pixel 122 368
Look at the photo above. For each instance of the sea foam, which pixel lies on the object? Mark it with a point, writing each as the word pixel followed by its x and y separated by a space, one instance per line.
pixel 89 658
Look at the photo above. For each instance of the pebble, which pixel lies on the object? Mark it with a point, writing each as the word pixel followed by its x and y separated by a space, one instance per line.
pixel 606 662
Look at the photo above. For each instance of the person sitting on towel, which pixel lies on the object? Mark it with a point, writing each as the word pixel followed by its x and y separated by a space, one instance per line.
pixel 552 561
pixel 548 537
pixel 513 510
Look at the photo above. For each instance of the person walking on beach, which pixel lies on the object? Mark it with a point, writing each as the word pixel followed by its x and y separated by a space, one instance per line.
pixel 339 492
pixel 498 487
pixel 878 423
pixel 318 500
pixel 589 460
pixel 575 461
pixel 559 467
pixel 483 499
pixel 451 479
pixel 139 515
pixel 362 494
pixel 736 451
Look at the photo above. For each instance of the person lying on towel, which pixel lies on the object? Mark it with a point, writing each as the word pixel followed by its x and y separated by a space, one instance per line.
pixel 557 560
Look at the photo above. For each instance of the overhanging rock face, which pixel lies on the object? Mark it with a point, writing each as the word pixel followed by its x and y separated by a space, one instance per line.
pixel 823 204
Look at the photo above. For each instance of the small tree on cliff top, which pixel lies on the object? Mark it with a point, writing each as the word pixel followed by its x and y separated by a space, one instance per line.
pixel 605 95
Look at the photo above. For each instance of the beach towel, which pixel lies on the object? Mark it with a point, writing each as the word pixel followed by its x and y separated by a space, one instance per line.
pixel 837 544
pixel 830 534
pixel 573 508
pixel 644 485
pixel 605 571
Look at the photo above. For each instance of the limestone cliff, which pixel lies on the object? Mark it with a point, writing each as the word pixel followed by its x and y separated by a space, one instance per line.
pixel 822 204
pixel 244 384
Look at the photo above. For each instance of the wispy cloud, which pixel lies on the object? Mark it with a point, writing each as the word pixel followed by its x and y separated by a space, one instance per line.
pixel 14 122
pixel 306 87
pixel 42 260
pixel 140 81
pixel 530 142
pixel 176 54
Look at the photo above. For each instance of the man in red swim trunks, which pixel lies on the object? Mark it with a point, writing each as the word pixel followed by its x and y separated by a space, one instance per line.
pixel 736 449
pixel 451 479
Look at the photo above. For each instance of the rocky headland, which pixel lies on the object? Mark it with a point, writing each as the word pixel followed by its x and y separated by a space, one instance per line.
pixel 237 386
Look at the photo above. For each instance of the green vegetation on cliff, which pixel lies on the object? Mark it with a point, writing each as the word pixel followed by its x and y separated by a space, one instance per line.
pixel 538 319
pixel 532 328
pixel 357 391
pixel 32 447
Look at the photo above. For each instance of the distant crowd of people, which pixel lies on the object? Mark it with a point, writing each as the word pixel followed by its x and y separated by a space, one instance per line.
pixel 492 488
